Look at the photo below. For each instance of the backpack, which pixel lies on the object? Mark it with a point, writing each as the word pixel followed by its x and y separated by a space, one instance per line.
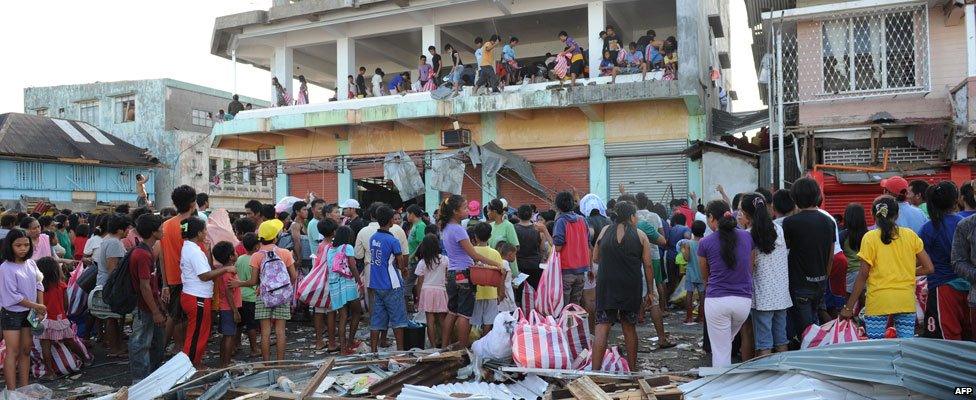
pixel 276 288
pixel 119 293
pixel 285 241
pixel 340 262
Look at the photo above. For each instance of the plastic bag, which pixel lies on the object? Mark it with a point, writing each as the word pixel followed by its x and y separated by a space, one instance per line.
pixel 575 322
pixel 549 294
pixel 540 342
pixel 497 344
pixel 833 332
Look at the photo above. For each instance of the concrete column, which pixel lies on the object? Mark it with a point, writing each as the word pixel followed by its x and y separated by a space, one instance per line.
pixel 432 197
pixel 692 35
pixel 596 21
pixel 283 68
pixel 430 36
pixel 345 65
pixel 281 179
pixel 347 185
pixel 599 177
pixel 489 184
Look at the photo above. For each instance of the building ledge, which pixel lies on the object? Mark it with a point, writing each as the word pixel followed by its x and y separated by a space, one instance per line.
pixel 297 120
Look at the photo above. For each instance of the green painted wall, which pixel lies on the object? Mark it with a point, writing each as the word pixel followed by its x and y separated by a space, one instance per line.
pixel 347 185
pixel 598 160
pixel 432 197
pixel 281 180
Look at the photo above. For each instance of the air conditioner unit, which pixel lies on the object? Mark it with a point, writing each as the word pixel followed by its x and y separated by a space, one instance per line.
pixel 455 138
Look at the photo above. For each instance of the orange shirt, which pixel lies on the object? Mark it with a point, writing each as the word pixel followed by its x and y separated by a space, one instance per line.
pixel 258 257
pixel 172 246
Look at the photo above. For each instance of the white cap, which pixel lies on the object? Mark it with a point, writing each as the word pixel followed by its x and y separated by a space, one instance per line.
pixel 350 203
pixel 504 202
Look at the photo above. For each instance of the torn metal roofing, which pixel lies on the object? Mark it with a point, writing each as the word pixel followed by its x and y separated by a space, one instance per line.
pixel 531 388
pixel 34 137
pixel 726 123
pixel 930 367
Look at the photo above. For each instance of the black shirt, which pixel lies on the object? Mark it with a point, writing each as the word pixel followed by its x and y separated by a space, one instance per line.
pixel 361 85
pixel 619 283
pixel 356 225
pixel 234 107
pixel 643 42
pixel 810 237
pixel 529 254
pixel 436 63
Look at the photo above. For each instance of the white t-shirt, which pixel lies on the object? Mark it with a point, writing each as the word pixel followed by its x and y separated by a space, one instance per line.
pixel 507 305
pixel 377 85
pixel 93 244
pixel 193 263
pixel 837 248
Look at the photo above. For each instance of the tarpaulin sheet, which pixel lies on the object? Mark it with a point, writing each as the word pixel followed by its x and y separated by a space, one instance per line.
pixel 402 170
pixel 491 155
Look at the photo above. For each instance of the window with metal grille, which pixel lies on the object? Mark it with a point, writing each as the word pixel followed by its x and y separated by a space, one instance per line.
pixel 84 176
pixel 251 174
pixel 201 118
pixel 30 175
pixel 88 111
pixel 213 169
pixel 125 108
pixel 228 174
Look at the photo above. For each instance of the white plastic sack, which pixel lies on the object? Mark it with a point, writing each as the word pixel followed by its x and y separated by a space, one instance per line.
pixel 284 205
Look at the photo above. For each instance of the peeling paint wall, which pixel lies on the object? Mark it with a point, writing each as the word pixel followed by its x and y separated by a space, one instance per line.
pixel 717 167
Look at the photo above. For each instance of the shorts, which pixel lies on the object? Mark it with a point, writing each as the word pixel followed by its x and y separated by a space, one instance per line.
pixel 389 309
pixel 247 317
pixel 630 70
pixel 769 328
pixel 946 314
pixel 573 287
pixel 616 316
pixel 460 293
pixel 577 67
pixel 876 325
pixel 694 287
pixel 280 313
pixel 13 320
pixel 175 310
pixel 484 312
pixel 227 326
pixel 658 271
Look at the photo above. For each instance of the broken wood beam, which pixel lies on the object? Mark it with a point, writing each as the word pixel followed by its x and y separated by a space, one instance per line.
pixel 317 379
pixel 585 388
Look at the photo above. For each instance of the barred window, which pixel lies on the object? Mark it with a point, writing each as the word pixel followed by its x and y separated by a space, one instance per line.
pixel 201 118
pixel 30 175
pixel 84 176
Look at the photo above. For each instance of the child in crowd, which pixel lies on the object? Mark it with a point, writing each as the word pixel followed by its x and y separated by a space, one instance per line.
pixel 320 314
pixel 693 279
pixel 245 249
pixel 147 341
pixel 20 293
pixel 508 252
pixel 229 302
pixel 198 288
pixel 431 272
pixel 82 232
pixel 385 279
pixel 607 65
pixel 57 327
pixel 486 297
pixel 344 282
pixel 271 316
pixel 891 257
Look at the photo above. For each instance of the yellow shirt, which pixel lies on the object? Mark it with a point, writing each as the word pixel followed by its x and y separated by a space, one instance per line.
pixel 891 280
pixel 487 292
pixel 487 55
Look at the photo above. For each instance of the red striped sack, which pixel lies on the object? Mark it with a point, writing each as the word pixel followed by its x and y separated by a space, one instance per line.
pixel 549 294
pixel 833 332
pixel 77 298
pixel 539 342
pixel 314 288
pixel 575 322
pixel 612 361
pixel 65 361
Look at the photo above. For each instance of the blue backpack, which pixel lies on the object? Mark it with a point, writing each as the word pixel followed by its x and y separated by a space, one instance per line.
pixel 276 288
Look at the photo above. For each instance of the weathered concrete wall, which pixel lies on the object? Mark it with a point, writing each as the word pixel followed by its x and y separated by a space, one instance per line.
pixel 643 121
pixel 717 167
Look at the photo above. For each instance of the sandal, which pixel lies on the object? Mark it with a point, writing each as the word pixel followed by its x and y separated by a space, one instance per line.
pixel 666 345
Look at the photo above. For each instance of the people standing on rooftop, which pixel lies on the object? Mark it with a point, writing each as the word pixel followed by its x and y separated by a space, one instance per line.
pixel 302 97
pixel 281 95
pixel 577 65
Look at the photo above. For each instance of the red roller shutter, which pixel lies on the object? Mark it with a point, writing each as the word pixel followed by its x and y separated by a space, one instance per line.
pixel 323 183
pixel 471 183
pixel 838 195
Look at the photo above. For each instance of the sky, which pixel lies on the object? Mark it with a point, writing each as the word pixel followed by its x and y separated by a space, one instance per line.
pixel 59 42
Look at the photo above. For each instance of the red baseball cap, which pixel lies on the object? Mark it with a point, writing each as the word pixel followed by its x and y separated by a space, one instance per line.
pixel 474 208
pixel 896 185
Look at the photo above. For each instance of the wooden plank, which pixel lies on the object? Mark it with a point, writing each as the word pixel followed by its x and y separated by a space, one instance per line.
pixel 253 396
pixel 585 388
pixel 317 378
pixel 646 389
pixel 272 395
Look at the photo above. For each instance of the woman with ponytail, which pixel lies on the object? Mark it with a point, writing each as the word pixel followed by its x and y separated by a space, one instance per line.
pixel 967 199
pixel 770 297
pixel 725 259
pixel 889 256
pixel 461 255
pixel 947 310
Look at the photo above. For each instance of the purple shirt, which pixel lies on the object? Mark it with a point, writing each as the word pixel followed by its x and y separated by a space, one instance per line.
pixel 722 280
pixel 573 46
pixel 19 282
pixel 452 236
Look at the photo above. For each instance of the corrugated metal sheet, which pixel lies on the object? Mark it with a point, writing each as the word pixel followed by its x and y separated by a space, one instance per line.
pixel 646 148
pixel 555 176
pixel 838 195
pixel 323 183
pixel 531 388
pixel 661 177
pixel 776 385
pixel 928 366
pixel 36 137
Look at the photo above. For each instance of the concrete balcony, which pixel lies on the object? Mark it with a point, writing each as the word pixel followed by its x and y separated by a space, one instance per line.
pixel 417 109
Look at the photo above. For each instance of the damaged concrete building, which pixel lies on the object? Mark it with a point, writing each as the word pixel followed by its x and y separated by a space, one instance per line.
pixel 863 90
pixel 587 138
pixel 170 118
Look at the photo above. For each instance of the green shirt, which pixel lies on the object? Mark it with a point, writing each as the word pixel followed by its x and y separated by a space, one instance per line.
pixel 504 232
pixel 649 230
pixel 925 209
pixel 243 266
pixel 417 232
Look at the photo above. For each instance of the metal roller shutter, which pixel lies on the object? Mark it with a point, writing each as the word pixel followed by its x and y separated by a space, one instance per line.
pixel 322 183
pixel 655 168
pixel 555 176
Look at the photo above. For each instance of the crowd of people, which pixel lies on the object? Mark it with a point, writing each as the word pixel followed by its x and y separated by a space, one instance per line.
pixel 756 269
pixel 494 73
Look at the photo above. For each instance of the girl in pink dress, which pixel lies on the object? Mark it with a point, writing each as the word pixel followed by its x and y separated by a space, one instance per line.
pixel 431 271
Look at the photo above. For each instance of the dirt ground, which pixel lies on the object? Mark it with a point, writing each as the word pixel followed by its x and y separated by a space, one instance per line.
pixel 104 374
